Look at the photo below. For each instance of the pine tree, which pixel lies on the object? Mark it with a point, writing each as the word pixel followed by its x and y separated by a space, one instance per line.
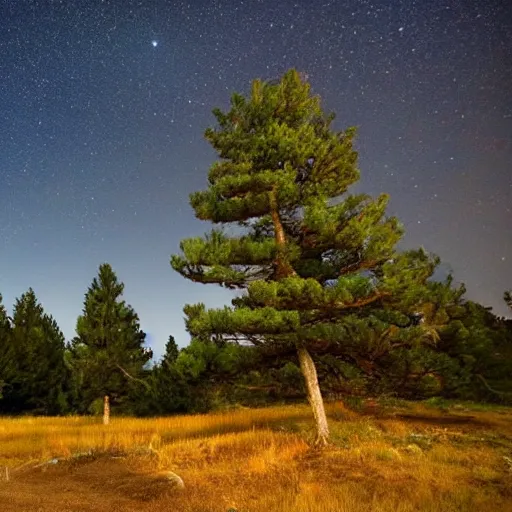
pixel 208 372
pixel 171 351
pixel 107 353
pixel 507 297
pixel 310 254
pixel 166 392
pixel 197 378
pixel 5 347
pixel 36 374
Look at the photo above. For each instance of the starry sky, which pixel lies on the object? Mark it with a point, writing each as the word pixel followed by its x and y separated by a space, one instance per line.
pixel 103 106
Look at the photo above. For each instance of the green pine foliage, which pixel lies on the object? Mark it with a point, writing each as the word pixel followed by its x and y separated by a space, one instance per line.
pixel 171 352
pixel 315 262
pixel 168 392
pixel 508 299
pixel 465 353
pixel 482 345
pixel 197 378
pixel 281 159
pixel 5 348
pixel 107 356
pixel 33 368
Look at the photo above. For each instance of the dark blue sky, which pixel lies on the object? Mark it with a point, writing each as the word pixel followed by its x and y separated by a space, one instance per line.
pixel 103 105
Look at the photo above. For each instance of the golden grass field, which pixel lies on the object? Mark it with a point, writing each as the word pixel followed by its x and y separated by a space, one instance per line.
pixel 406 457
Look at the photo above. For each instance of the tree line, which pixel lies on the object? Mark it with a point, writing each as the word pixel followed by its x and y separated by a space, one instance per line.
pixel 326 303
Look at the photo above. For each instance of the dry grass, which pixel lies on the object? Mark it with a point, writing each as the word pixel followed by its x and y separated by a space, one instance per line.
pixel 408 458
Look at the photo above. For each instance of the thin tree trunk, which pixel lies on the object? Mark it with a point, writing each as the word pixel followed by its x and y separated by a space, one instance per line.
pixel 308 368
pixel 106 410
pixel 283 267
pixel 307 365
pixel 276 220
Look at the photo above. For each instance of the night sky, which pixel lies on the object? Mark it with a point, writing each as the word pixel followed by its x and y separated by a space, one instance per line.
pixel 103 106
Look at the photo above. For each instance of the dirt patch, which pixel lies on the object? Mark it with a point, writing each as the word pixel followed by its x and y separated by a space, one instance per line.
pixel 102 484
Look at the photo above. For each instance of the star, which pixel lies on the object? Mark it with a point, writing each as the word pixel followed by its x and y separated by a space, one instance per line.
pixel 424 117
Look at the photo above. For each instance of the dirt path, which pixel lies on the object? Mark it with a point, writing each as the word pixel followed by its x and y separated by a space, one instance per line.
pixel 104 484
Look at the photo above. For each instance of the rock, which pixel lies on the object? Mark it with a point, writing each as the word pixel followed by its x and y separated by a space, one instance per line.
pixel 414 449
pixel 175 480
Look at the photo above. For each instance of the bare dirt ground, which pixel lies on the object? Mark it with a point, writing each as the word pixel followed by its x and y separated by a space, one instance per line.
pixel 104 484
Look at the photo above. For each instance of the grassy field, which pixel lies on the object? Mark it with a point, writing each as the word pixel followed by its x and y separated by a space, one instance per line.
pixel 384 457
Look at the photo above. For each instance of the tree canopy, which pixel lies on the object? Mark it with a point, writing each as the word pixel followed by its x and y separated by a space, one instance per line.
pixel 315 262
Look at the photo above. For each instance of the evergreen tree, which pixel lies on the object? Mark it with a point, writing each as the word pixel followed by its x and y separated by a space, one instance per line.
pixel 107 355
pixel 166 393
pixel 171 352
pixel 470 359
pixel 484 351
pixel 35 374
pixel 208 373
pixel 310 255
pixel 194 378
pixel 508 299
pixel 508 322
pixel 5 347
pixel 388 349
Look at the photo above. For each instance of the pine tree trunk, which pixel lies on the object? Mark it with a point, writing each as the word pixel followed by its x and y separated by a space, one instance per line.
pixel 283 267
pixel 106 410
pixel 307 366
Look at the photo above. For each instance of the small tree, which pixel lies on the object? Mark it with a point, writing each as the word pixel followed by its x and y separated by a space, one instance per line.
pixel 306 259
pixel 167 392
pixel 108 348
pixel 171 352
pixel 508 299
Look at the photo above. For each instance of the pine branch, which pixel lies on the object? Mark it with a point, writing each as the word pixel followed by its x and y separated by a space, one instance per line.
pixel 362 302
pixel 133 378
pixel 495 391
pixel 358 266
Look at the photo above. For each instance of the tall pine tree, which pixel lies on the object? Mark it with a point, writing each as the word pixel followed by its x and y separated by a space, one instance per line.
pixel 107 354
pixel 35 372
pixel 310 254
pixel 5 347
